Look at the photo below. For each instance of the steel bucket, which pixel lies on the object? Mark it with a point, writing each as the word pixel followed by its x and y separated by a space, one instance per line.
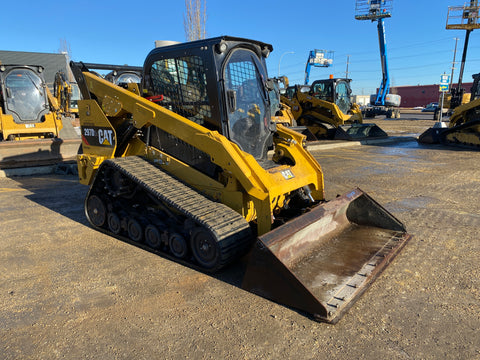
pixel 320 262
pixel 359 132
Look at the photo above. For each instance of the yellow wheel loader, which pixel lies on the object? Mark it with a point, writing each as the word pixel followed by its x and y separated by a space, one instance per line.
pixel 184 170
pixel 464 126
pixel 27 108
pixel 327 111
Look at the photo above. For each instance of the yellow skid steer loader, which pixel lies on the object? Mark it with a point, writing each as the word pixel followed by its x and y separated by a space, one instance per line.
pixel 184 170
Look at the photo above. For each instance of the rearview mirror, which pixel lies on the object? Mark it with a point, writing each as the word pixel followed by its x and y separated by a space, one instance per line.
pixel 231 100
pixel 269 84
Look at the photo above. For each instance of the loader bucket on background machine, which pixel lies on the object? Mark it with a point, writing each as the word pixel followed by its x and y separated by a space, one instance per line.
pixel 351 132
pixel 321 262
pixel 432 135
pixel 360 132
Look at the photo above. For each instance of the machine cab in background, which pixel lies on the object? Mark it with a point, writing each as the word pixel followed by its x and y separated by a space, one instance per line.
pixel 23 93
pixel 336 91
pixel 26 111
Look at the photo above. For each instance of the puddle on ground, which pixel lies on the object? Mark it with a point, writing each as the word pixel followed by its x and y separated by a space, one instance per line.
pixel 418 202
pixel 333 263
pixel 401 148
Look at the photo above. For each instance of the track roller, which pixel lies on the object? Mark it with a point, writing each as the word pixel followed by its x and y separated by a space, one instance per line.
pixel 114 223
pixel 178 245
pixel 153 237
pixel 142 204
pixel 135 230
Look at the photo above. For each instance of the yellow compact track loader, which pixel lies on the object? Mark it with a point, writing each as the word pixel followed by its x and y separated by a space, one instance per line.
pixel 464 126
pixel 450 102
pixel 280 112
pixel 185 171
pixel 27 108
pixel 327 111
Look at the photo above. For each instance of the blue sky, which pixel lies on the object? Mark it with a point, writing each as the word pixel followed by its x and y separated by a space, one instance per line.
pixel 419 47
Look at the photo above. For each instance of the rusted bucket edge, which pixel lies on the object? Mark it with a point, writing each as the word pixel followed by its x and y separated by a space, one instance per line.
pixel 285 231
pixel 335 313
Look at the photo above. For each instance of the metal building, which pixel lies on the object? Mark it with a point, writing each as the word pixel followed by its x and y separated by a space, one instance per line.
pixel 50 61
pixel 421 95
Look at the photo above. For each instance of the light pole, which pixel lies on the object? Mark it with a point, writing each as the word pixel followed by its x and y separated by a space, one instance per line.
pixel 279 61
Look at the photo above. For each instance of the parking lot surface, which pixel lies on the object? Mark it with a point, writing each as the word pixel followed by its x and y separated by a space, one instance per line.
pixel 68 291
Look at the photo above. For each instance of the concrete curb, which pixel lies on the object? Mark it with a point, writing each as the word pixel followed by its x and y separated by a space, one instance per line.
pixel 59 169
pixel 329 144
pixel 71 168
pixel 36 170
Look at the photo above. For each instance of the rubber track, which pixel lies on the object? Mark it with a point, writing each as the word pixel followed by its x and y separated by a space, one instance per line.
pixel 231 230
pixel 460 129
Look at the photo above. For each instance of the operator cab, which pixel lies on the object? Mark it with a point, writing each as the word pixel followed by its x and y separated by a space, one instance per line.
pixel 475 90
pixel 124 77
pixel 291 90
pixel 220 84
pixel 23 93
pixel 336 91
pixel 75 96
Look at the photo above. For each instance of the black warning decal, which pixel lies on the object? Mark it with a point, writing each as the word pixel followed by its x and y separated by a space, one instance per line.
pixel 98 136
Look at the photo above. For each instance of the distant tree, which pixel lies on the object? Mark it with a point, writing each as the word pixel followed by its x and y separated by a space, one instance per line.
pixel 194 20
pixel 65 48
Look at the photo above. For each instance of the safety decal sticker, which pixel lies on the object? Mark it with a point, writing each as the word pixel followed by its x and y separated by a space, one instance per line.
pixel 287 174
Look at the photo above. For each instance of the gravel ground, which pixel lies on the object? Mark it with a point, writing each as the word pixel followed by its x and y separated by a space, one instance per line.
pixel 71 292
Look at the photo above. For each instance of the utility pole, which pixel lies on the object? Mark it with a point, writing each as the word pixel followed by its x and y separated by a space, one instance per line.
pixel 348 62
pixel 453 62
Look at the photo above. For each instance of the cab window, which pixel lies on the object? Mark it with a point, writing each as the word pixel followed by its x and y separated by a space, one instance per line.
pixel 182 83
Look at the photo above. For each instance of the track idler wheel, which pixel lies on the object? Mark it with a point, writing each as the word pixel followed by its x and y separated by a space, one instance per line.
pixel 96 211
pixel 205 248
pixel 178 245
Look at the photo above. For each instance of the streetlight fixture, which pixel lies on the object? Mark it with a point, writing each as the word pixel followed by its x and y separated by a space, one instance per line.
pixel 285 53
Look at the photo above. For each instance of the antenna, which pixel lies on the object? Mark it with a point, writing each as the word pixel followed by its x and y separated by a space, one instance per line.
pixel 348 63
